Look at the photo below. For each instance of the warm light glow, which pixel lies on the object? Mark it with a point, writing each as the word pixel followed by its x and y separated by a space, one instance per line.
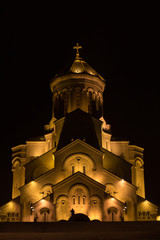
pixel 96 215
pixel 10 204
pixel 85 179
pixel 53 157
pixel 158 218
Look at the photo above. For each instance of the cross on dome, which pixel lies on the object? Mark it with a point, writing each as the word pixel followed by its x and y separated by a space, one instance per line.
pixel 77 47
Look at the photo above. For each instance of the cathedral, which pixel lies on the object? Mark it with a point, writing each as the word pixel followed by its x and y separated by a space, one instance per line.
pixel 77 167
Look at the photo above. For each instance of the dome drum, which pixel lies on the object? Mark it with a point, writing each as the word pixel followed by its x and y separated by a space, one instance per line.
pixel 73 91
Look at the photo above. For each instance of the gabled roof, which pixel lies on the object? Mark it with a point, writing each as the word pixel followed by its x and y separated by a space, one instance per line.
pixel 75 176
pixel 141 199
pixel 119 179
pixel 110 196
pixel 79 175
pixel 116 156
pixel 117 165
pixel 76 142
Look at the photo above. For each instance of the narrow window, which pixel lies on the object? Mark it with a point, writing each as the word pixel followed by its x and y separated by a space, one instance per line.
pixel 13 214
pixel 84 169
pixel 83 200
pixel 45 217
pixel 73 200
pixel 72 169
pixel 78 199
pixel 148 215
pixel 90 103
pixel 112 217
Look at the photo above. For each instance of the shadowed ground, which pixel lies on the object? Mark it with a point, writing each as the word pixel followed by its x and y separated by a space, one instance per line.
pixel 81 230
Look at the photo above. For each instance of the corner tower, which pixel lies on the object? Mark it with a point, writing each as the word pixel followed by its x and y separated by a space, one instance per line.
pixel 80 87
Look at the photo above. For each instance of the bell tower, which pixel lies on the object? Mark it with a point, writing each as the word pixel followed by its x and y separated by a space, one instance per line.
pixel 79 87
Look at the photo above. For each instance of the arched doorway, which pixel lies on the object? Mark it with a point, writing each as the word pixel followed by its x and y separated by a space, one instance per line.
pixel 112 211
pixel 44 212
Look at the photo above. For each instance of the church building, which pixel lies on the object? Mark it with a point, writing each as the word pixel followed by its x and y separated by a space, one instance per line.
pixel 77 167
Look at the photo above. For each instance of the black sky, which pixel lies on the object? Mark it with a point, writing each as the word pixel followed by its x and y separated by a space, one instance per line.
pixel 120 42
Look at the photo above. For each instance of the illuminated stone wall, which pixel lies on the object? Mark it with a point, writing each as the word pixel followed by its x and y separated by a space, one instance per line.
pixel 78 193
pixel 77 164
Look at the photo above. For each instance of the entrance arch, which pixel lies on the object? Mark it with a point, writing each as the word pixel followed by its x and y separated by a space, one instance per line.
pixel 44 212
pixel 112 211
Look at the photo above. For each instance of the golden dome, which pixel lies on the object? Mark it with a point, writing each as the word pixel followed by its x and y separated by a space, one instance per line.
pixel 80 66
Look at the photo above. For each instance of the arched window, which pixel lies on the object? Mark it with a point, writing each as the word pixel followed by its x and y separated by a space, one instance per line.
pixel 74 200
pixel 63 202
pixel 84 169
pixel 78 162
pixel 79 200
pixel 84 198
pixel 78 96
pixel 90 103
pixel 65 97
pixel 95 202
pixel 72 169
pixel 44 212
pixel 113 211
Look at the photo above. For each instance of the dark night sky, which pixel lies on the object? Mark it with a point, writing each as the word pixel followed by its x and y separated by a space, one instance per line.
pixel 120 42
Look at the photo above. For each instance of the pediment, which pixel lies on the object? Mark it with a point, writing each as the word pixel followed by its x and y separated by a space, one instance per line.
pixel 77 146
pixel 79 178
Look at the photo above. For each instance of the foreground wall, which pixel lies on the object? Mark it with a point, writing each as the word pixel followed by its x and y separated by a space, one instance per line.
pixel 81 230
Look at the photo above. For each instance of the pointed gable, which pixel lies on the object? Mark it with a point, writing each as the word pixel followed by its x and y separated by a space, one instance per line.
pixel 78 179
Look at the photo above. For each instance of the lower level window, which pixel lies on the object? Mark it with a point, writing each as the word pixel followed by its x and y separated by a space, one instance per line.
pixel 72 169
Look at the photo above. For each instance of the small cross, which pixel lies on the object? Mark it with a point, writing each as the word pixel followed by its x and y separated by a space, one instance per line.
pixel 77 47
